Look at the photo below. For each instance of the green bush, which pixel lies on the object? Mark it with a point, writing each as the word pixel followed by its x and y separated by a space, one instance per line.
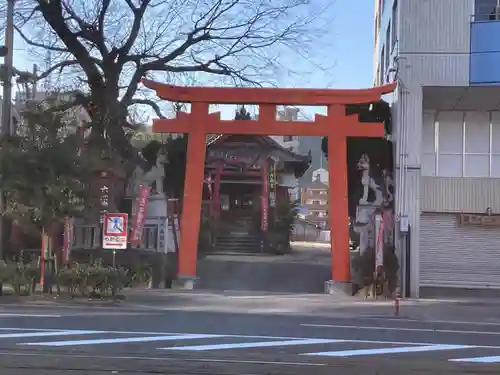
pixel 94 280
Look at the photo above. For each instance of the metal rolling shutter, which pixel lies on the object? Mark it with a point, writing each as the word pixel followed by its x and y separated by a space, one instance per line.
pixel 454 256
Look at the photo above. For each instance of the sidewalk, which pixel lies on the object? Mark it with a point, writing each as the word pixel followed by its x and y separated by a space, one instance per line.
pixel 463 311
pixel 320 305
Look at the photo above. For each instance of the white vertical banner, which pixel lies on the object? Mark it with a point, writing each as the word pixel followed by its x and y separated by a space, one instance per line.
pixel 379 243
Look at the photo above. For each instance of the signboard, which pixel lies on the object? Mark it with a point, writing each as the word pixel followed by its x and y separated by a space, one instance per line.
pixel 379 245
pixel 115 231
pixel 68 238
pixel 272 185
pixel 139 215
pixel 483 220
pixel 265 202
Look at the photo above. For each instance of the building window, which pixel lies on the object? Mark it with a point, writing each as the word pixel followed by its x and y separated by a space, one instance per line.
pixel 461 144
pixel 86 236
pixel 394 18
pixel 323 192
pixel 287 138
pixel 484 10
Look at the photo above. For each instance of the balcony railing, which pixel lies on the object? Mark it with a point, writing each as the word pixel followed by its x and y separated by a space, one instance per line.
pixel 485 49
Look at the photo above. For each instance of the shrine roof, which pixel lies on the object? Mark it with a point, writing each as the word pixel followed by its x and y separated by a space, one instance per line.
pixel 215 138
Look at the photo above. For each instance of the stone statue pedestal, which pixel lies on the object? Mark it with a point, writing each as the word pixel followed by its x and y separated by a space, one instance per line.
pixel 365 226
pixel 157 206
pixel 157 212
pixel 364 213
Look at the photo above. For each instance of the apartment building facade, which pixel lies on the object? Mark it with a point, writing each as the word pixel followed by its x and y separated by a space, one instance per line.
pixel 445 56
pixel 314 198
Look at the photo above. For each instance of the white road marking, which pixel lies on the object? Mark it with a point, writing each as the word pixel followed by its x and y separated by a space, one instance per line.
pixel 402 329
pixel 264 344
pixel 163 359
pixel 152 333
pixel 46 334
pixel 492 359
pixel 121 340
pixel 406 349
pixel 14 315
pixel 450 322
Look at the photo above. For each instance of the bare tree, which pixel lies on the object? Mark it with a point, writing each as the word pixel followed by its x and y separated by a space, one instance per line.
pixel 109 45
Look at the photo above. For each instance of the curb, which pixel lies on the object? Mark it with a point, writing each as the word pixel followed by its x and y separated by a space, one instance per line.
pixel 60 302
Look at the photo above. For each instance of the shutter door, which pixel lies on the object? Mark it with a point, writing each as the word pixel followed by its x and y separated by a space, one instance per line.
pixel 456 256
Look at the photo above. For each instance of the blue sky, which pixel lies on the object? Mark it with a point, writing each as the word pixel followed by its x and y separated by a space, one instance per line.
pixel 350 47
pixel 352 43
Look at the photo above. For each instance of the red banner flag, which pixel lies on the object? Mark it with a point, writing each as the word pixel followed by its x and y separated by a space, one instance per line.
pixel 141 206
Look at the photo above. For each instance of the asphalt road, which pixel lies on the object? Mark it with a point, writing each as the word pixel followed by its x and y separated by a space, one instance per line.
pixel 137 341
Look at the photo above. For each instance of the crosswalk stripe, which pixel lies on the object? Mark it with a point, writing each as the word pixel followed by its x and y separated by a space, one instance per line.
pixel 121 340
pixel 404 349
pixel 45 334
pixel 262 344
pixel 14 315
pixel 491 359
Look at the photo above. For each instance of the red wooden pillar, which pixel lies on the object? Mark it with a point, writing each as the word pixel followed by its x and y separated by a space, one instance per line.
pixel 338 208
pixel 193 189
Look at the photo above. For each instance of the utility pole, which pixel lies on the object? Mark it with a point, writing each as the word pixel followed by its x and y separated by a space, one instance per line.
pixel 6 124
pixel 9 71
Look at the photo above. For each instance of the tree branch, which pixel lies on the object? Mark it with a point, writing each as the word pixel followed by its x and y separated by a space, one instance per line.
pixel 60 66
pixel 36 44
pixel 53 14
pixel 150 103
pixel 136 26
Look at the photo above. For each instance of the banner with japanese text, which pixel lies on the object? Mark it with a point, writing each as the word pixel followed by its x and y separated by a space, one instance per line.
pixel 265 199
pixel 139 216
pixel 67 239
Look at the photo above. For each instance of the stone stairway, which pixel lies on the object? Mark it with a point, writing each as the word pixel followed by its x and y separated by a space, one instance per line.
pixel 237 243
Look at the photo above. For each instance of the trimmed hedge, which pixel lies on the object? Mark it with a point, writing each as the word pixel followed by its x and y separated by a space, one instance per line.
pixel 77 279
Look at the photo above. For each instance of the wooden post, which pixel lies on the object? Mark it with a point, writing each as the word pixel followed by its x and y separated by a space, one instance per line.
pixel 193 189
pixel 338 208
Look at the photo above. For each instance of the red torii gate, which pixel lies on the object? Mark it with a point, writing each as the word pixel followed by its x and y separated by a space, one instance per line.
pixel 336 125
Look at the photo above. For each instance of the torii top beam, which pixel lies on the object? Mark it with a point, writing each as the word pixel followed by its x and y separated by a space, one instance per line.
pixel 276 96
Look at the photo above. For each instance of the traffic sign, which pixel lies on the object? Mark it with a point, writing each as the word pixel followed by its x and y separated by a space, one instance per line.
pixel 115 231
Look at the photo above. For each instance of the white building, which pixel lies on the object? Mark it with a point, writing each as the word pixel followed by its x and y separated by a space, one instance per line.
pixel 290 142
pixel 445 55
pixel 320 174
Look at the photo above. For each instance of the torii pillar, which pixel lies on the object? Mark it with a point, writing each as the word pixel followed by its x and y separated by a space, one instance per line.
pixel 336 125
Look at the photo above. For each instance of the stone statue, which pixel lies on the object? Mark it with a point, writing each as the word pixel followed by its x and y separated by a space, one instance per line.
pixel 388 188
pixel 152 172
pixel 369 182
